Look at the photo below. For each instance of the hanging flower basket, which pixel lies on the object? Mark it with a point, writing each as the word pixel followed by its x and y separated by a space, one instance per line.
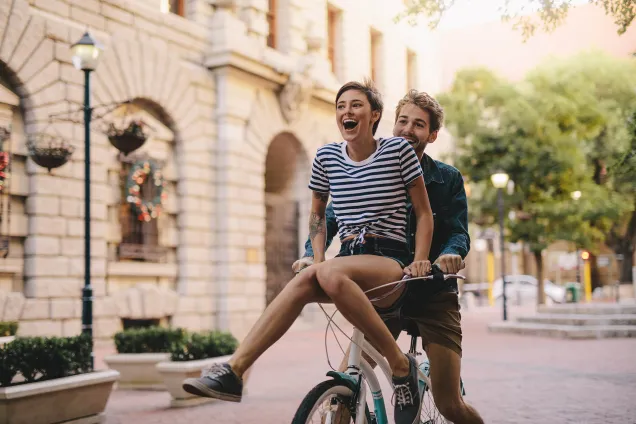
pixel 129 139
pixel 49 151
pixel 139 174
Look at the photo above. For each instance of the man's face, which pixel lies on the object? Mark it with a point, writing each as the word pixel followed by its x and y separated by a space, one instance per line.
pixel 413 124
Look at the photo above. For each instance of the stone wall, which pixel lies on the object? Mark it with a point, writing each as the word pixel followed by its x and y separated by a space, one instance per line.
pixel 216 97
pixel 148 56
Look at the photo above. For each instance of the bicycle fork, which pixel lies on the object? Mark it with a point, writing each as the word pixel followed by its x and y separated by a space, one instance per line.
pixel 353 369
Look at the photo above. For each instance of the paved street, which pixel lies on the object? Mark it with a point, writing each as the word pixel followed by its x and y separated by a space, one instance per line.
pixel 510 379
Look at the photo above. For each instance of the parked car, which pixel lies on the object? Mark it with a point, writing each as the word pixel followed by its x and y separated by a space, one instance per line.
pixel 520 290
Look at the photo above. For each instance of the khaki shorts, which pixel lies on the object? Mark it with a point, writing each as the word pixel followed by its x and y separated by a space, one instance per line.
pixel 436 317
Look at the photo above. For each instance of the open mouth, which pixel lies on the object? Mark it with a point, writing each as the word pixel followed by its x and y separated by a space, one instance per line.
pixel 349 124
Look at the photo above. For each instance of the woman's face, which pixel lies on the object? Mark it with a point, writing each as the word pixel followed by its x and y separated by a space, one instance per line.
pixel 354 116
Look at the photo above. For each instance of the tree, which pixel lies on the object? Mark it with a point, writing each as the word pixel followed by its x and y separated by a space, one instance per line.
pixel 549 13
pixel 535 136
pixel 602 90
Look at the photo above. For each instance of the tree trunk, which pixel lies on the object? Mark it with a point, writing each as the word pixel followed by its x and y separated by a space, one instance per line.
pixel 626 264
pixel 538 258
pixel 596 274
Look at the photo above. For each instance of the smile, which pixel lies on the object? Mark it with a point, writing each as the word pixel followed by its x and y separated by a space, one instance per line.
pixel 349 124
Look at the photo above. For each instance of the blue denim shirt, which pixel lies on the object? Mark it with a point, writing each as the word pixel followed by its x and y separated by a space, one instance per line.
pixel 445 187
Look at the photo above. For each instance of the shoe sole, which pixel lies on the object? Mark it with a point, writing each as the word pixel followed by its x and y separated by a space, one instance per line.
pixel 194 387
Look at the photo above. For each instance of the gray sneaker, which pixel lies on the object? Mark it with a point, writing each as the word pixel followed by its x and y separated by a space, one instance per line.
pixel 218 382
pixel 407 396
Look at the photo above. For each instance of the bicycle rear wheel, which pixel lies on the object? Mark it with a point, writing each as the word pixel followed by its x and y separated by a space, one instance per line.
pixel 330 402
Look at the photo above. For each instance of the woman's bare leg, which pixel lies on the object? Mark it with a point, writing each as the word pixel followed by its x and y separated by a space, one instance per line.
pixel 345 279
pixel 277 318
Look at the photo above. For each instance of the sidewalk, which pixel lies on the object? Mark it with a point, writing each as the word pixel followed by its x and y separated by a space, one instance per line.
pixel 509 379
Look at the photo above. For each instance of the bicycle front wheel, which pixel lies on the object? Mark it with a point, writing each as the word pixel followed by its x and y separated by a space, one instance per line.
pixel 330 402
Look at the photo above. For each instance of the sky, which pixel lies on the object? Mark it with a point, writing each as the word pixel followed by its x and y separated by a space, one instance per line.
pixel 471 12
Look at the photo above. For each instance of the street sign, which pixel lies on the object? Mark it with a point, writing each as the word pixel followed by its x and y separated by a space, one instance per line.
pixel 603 260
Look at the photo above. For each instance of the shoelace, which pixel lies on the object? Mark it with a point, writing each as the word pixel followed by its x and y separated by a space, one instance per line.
pixel 215 371
pixel 403 395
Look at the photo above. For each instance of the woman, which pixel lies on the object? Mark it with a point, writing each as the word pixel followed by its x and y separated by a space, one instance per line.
pixel 369 181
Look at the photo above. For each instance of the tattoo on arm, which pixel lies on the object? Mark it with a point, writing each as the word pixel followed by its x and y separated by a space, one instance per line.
pixel 323 197
pixel 316 225
pixel 411 184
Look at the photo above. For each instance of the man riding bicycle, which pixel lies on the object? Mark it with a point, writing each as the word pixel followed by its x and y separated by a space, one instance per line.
pixel 433 308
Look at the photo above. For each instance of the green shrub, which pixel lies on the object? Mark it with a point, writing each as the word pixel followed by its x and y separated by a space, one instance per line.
pixel 149 340
pixel 44 358
pixel 204 345
pixel 8 328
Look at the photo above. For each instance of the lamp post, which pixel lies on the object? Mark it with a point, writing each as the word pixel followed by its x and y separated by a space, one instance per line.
pixel 86 53
pixel 500 181
pixel 576 195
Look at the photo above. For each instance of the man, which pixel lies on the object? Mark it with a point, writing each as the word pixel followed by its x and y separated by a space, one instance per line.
pixel 435 310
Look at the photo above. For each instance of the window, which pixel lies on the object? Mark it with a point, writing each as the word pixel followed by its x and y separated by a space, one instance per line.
pixel 139 239
pixel 173 6
pixel 177 7
pixel 130 323
pixel 376 59
pixel 272 40
pixel 333 19
pixel 411 69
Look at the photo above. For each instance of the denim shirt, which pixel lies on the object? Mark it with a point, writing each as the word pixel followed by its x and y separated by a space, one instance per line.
pixel 445 187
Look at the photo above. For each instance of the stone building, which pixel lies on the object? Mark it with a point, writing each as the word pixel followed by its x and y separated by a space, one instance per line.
pixel 235 97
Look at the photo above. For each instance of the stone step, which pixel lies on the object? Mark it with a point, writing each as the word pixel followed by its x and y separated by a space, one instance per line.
pixel 588 308
pixel 580 319
pixel 564 331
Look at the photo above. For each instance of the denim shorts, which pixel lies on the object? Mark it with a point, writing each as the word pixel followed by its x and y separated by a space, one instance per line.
pixel 389 248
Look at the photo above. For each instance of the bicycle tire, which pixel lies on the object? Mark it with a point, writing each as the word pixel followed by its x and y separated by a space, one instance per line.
pixel 318 394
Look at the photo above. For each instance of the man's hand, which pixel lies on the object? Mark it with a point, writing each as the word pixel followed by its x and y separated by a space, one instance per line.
pixel 302 263
pixel 450 264
pixel 418 269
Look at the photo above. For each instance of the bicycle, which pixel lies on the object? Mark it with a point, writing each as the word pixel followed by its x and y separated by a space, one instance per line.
pixel 349 389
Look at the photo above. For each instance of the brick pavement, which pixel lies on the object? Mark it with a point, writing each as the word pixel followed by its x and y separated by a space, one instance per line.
pixel 509 379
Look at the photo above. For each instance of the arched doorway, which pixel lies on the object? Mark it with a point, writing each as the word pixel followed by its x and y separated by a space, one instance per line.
pixel 286 194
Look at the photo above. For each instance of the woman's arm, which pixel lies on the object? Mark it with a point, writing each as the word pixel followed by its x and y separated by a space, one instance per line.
pixel 317 225
pixel 424 231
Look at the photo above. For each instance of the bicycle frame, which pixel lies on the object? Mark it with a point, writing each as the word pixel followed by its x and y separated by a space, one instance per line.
pixel 357 363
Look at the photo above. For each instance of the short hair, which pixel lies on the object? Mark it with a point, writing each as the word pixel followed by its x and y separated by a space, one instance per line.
pixel 373 96
pixel 427 103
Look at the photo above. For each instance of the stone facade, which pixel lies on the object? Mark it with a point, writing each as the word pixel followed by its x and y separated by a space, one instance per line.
pixel 215 97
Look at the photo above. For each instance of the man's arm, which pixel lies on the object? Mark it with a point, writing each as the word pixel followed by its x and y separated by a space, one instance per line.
pixel 458 242
pixel 332 231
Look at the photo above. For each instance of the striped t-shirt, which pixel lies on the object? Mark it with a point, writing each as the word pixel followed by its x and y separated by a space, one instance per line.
pixel 370 195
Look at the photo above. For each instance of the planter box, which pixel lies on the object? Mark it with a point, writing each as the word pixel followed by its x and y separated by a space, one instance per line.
pixel 79 399
pixel 175 372
pixel 6 339
pixel 138 371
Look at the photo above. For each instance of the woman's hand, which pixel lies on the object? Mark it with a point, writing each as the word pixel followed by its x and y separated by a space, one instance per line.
pixel 418 269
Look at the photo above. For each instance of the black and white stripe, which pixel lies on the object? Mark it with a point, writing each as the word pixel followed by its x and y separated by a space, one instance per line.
pixel 369 195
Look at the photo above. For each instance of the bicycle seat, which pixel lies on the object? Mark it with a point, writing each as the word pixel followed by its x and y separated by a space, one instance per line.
pixel 411 328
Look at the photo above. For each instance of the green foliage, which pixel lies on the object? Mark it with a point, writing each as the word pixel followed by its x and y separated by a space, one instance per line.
pixel 570 125
pixel 149 340
pixel 549 14
pixel 44 358
pixel 8 328
pixel 204 345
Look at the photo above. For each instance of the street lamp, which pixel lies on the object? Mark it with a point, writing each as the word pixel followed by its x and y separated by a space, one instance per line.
pixel 576 195
pixel 86 54
pixel 500 181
